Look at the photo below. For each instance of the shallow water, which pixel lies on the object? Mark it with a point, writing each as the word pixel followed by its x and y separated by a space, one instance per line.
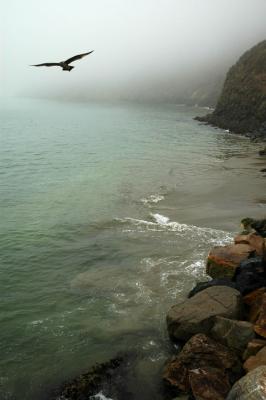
pixel 107 214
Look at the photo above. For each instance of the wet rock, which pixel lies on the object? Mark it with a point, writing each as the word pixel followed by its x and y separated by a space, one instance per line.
pixel 222 261
pixel 251 387
pixel 260 325
pixel 234 334
pixel 253 240
pixel 257 225
pixel 108 375
pixel 253 347
pixel 256 361
pixel 214 282
pixel 204 367
pixel 250 275
pixel 196 315
pixel 253 300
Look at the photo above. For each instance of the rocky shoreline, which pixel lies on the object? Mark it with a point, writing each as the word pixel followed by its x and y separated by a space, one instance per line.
pixel 219 330
pixel 223 325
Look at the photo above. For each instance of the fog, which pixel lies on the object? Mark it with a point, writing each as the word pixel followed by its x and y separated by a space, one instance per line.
pixel 153 49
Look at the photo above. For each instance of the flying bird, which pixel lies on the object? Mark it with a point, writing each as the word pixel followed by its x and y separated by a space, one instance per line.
pixel 64 64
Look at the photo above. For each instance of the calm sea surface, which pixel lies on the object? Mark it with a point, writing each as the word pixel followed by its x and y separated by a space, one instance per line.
pixel 107 214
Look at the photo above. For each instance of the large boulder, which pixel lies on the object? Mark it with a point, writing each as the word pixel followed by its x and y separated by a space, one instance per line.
pixel 257 242
pixel 260 325
pixel 256 361
pixel 222 261
pixel 196 315
pixel 253 347
pixel 214 282
pixel 250 275
pixel 253 301
pixel 251 387
pixel 234 334
pixel 204 367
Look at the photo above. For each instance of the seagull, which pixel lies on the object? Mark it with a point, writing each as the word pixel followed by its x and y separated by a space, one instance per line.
pixel 64 64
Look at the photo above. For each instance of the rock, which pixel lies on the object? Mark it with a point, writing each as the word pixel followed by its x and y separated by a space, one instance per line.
pixel 260 325
pixel 222 261
pixel 214 282
pixel 254 301
pixel 196 315
pixel 251 387
pixel 234 334
pixel 250 275
pixel 262 152
pixel 256 360
pixel 205 367
pixel 253 347
pixel 108 377
pixel 241 107
pixel 253 240
pixel 257 225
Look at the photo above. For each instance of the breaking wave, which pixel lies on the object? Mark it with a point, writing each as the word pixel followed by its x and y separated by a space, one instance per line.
pixel 160 222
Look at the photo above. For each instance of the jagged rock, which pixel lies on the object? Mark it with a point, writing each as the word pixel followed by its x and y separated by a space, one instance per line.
pixel 253 240
pixel 257 225
pixel 254 300
pixel 196 315
pixel 205 367
pixel 250 275
pixel 256 361
pixel 251 387
pixel 109 375
pixel 214 282
pixel 233 334
pixel 241 107
pixel 253 347
pixel 222 261
pixel 260 325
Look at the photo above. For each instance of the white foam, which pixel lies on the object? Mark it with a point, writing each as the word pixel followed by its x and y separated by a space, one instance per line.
pixel 99 396
pixel 152 199
pixel 163 223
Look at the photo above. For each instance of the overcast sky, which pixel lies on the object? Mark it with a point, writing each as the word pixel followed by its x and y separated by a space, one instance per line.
pixel 140 45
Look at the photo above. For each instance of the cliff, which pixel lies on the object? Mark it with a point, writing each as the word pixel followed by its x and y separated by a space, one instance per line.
pixel 241 107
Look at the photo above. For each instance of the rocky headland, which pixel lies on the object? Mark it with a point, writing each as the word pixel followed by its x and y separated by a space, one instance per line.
pixel 241 107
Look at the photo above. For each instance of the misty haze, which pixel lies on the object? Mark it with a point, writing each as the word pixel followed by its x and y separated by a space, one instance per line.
pixel 132 188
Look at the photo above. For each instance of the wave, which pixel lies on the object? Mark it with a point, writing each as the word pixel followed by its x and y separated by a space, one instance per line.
pixel 152 199
pixel 163 223
pixel 99 396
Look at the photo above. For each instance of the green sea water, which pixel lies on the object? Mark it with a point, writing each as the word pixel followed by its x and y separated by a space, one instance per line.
pixel 107 214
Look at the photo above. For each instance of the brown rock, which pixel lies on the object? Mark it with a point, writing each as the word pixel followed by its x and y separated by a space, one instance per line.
pixel 223 260
pixel 234 334
pixel 203 366
pixel 253 347
pixel 260 325
pixel 256 361
pixel 254 301
pixel 207 384
pixel 196 315
pixel 254 240
pixel 251 387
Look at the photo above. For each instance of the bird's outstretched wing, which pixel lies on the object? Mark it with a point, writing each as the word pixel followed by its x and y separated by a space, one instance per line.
pixel 46 65
pixel 77 57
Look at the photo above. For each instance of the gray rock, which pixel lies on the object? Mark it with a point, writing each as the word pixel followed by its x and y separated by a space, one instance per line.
pixel 234 334
pixel 251 387
pixel 196 315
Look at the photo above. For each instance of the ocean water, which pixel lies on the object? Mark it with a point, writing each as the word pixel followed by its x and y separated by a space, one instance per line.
pixel 107 214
